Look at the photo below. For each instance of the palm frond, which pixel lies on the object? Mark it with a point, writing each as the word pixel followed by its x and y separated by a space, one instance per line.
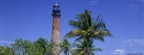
pixel 96 49
pixel 92 53
pixel 78 39
pixel 76 33
pixel 102 32
pixel 88 30
pixel 75 24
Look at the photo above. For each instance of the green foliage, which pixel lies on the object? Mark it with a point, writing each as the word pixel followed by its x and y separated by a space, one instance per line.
pixel 84 48
pixel 4 50
pixel 26 47
pixel 21 47
pixel 43 43
pixel 66 47
pixel 87 30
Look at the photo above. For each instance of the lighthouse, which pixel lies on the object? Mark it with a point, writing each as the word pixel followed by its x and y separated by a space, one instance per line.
pixel 56 29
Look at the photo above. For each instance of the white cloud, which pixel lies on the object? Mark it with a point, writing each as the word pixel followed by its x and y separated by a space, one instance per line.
pixel 133 42
pixel 118 51
pixel 6 42
pixel 93 2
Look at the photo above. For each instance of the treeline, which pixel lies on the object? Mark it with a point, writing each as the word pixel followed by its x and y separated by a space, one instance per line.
pixel 86 31
pixel 26 47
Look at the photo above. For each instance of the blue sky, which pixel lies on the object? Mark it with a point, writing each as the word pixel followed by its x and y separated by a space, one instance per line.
pixel 31 19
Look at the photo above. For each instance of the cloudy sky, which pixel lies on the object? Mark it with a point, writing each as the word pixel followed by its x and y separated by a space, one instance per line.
pixel 31 19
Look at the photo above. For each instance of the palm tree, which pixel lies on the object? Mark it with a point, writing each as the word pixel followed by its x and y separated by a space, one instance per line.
pixel 87 29
pixel 66 47
pixel 85 49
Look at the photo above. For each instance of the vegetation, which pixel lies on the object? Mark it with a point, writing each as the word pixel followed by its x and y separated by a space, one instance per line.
pixel 66 46
pixel 25 47
pixel 83 49
pixel 87 30
pixel 4 50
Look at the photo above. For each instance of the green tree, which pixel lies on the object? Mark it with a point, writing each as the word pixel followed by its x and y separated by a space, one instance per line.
pixel 84 48
pixel 26 47
pixel 43 43
pixel 66 47
pixel 88 29
pixel 26 44
pixel 18 46
pixel 4 50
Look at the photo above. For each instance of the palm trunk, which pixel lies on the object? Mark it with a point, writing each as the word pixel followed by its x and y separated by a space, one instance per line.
pixel 68 53
pixel 87 49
